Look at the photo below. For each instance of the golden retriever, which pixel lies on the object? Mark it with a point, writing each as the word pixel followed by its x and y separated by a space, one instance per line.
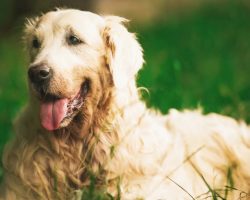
pixel 85 124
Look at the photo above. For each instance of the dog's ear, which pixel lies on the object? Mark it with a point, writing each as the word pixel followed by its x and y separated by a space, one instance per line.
pixel 123 52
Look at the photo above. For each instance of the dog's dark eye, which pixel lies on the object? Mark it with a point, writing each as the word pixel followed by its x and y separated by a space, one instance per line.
pixel 35 43
pixel 73 40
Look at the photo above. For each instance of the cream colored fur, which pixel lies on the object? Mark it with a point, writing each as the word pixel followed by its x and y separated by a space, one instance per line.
pixel 124 144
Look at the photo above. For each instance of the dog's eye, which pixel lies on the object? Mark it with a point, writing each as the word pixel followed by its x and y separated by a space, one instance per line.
pixel 73 40
pixel 35 43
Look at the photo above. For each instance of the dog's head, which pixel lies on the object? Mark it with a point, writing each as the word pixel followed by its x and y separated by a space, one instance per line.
pixel 77 58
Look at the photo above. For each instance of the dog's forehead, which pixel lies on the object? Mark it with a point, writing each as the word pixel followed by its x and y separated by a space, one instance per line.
pixel 77 17
pixel 81 20
pixel 85 24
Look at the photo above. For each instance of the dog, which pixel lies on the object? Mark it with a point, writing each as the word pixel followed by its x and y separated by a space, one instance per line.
pixel 85 126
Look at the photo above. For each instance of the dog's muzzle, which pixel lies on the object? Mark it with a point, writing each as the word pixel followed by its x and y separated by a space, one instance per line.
pixel 56 110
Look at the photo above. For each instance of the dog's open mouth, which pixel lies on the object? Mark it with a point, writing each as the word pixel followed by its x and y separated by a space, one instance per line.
pixel 58 112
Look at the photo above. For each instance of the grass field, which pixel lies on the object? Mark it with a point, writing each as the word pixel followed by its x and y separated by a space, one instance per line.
pixel 200 59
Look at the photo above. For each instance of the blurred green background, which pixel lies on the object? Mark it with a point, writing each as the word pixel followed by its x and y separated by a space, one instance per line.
pixel 197 53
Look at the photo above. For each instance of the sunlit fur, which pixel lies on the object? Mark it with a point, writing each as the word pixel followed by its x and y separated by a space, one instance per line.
pixel 133 152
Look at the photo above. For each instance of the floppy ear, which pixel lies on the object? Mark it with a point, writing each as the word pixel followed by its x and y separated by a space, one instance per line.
pixel 123 52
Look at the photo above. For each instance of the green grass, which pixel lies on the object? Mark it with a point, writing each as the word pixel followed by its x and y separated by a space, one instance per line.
pixel 200 59
pixel 13 93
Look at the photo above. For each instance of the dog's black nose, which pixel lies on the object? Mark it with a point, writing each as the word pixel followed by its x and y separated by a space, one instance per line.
pixel 39 73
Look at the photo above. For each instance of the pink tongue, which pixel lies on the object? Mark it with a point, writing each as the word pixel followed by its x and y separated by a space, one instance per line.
pixel 52 113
